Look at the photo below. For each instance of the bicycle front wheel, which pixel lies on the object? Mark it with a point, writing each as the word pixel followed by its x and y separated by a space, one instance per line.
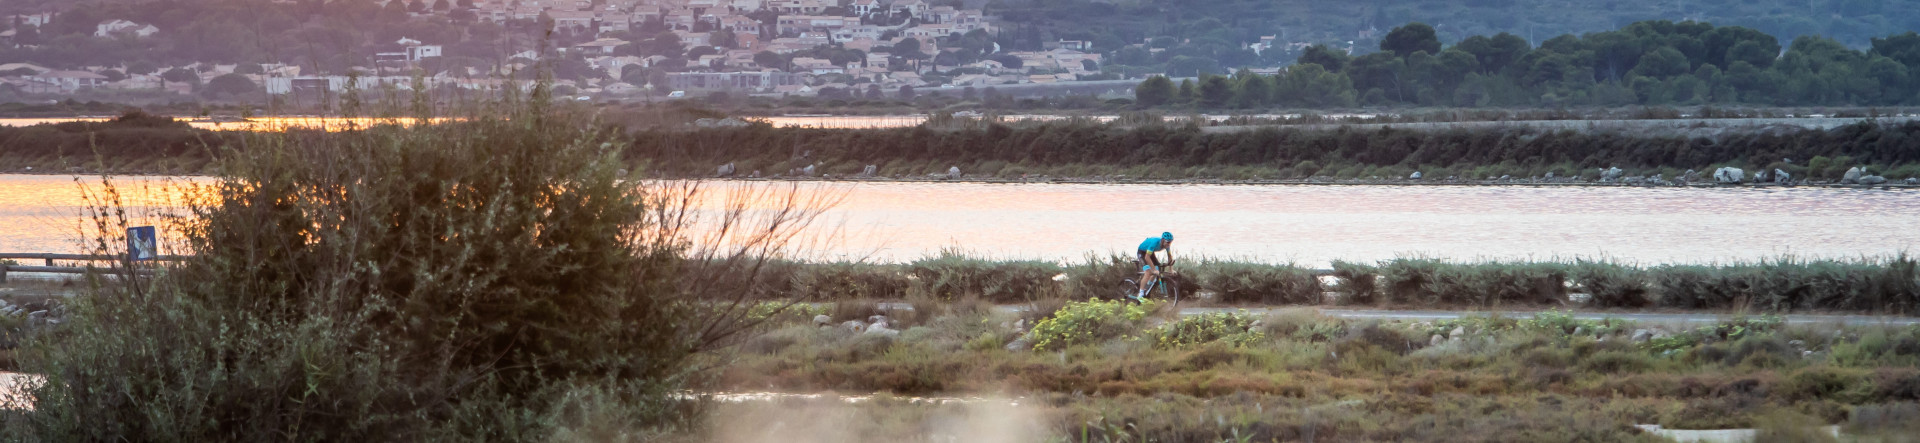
pixel 1173 293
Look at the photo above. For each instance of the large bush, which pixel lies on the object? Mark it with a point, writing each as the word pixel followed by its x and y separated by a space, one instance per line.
pixel 491 279
pixel 1089 322
pixel 1244 282
pixel 1436 282
pixel 954 276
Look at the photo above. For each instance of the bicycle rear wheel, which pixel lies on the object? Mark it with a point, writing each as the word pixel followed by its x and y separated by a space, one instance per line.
pixel 1128 289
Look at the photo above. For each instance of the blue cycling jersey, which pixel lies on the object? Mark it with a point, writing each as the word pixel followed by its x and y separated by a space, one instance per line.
pixel 1153 244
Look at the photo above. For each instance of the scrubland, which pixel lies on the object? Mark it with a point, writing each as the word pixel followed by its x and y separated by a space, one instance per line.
pixel 1102 371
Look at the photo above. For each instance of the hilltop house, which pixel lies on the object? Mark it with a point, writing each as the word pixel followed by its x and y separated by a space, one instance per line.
pixel 68 81
pixel 407 50
pixel 111 28
pixel 599 47
pixel 864 7
pixel 575 21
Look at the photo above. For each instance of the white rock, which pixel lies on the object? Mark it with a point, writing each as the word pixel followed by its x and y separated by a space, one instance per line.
pixel 1780 176
pixel 1019 344
pixel 953 173
pixel 1436 340
pixel 1640 335
pixel 807 170
pixel 1611 174
pixel 822 320
pixel 854 325
pixel 1872 180
pixel 869 171
pixel 1458 331
pixel 882 329
pixel 1415 176
pixel 1729 175
pixel 725 170
pixel 1853 175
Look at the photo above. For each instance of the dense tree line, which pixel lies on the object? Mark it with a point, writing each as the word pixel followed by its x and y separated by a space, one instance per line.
pixel 1182 151
pixel 1188 37
pixel 1651 63
pixel 1297 152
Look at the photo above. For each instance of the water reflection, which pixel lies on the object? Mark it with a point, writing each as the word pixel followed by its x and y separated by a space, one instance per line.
pixel 250 124
pixel 1311 225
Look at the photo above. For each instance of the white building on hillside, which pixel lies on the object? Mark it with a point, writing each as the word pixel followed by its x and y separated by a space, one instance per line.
pixel 114 27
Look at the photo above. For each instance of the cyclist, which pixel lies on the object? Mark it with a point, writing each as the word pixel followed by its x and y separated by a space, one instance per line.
pixel 1150 264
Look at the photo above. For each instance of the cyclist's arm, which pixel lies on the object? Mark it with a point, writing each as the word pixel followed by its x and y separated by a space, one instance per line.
pixel 1169 262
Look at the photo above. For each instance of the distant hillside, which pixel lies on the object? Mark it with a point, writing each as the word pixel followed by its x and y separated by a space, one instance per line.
pixel 1110 24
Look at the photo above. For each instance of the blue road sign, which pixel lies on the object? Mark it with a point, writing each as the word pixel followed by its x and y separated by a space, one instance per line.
pixel 142 243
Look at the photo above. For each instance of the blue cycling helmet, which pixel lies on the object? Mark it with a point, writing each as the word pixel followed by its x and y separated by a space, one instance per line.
pixel 1166 236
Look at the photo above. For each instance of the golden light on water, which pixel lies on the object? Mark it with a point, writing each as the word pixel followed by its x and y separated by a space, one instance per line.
pixel 251 123
pixel 1310 225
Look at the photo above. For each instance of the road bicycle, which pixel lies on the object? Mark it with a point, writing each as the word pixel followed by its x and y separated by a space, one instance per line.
pixel 1165 287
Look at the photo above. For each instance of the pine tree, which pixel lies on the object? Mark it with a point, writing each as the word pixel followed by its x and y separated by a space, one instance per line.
pixel 1156 91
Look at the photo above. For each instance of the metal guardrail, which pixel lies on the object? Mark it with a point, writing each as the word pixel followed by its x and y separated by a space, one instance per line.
pixel 49 268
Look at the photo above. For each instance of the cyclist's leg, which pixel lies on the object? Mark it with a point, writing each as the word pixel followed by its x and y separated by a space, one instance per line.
pixel 1149 267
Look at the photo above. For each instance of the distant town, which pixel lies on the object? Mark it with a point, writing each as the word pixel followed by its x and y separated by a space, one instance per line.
pixel 610 48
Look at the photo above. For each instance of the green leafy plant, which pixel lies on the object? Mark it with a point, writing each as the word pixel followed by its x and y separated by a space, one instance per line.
pixel 1233 328
pixel 1088 322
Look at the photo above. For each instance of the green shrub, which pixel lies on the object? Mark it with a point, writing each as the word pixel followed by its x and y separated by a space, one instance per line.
pixel 1390 339
pixel 1880 347
pixel 1407 280
pixel 1891 420
pixel 842 281
pixel 1101 277
pixel 1357 282
pixel 1612 285
pixel 1234 329
pixel 1788 426
pixel 1089 322
pixel 953 276
pixel 1435 282
pixel 1730 330
pixel 1321 331
pixel 987 341
pixel 1881 285
pixel 470 280
pixel 1241 282
pixel 1828 382
pixel 1760 350
pixel 1612 362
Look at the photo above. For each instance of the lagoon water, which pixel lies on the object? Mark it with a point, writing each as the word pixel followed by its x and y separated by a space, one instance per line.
pixel 1309 225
